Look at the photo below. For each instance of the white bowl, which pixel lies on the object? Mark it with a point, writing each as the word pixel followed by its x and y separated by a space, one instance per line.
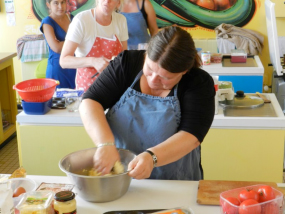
pixel 27 183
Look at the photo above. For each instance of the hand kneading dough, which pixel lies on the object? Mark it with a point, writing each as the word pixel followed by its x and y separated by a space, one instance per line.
pixel 117 169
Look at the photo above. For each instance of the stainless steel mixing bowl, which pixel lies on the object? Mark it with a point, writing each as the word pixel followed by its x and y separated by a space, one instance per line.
pixel 96 188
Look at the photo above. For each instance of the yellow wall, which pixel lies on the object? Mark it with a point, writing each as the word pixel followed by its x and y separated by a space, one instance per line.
pixel 27 24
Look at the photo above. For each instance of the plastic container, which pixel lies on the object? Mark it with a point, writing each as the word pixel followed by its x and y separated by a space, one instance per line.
pixel 36 90
pixel 225 85
pixel 238 56
pixel 206 58
pixel 26 183
pixel 6 201
pixel 269 207
pixel 36 108
pixel 36 203
pixel 216 58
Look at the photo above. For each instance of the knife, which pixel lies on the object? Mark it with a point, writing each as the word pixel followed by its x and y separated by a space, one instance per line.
pixel 263 97
pixel 113 57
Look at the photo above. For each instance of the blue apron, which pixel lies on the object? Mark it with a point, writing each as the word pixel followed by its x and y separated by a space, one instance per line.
pixel 137 29
pixel 140 121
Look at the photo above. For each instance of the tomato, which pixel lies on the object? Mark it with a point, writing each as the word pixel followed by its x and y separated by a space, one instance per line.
pixel 19 191
pixel 248 194
pixel 270 208
pixel 229 208
pixel 266 193
pixel 246 208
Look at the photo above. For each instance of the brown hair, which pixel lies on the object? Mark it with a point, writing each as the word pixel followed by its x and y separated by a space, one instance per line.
pixel 174 50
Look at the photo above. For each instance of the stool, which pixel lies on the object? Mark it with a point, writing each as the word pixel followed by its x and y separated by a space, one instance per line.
pixel 40 71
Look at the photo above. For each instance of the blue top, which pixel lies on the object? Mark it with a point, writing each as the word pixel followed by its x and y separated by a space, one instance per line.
pixel 137 28
pixel 66 77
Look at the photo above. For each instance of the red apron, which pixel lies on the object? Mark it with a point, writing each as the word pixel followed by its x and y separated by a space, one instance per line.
pixel 102 47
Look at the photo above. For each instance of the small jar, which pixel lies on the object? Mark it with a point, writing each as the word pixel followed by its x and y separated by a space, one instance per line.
pixel 64 202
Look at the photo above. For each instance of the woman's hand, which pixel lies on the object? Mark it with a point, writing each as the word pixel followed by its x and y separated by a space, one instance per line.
pixel 104 159
pixel 141 166
pixel 100 63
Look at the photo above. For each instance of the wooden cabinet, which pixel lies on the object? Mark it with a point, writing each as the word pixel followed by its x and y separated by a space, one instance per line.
pixel 8 104
pixel 279 8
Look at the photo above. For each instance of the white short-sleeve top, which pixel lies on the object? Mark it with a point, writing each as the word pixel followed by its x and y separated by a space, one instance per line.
pixel 84 29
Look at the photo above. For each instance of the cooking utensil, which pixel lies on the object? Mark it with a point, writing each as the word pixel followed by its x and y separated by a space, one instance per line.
pixel 96 188
pixel 113 57
pixel 36 90
pixel 209 190
pixel 263 97
pixel 94 75
pixel 243 101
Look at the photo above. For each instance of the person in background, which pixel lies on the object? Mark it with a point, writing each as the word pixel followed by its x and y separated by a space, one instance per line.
pixel 161 106
pixel 95 36
pixel 140 17
pixel 54 28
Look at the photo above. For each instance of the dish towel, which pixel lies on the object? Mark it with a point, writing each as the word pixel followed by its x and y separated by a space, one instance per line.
pixel 225 46
pixel 249 40
pixel 32 48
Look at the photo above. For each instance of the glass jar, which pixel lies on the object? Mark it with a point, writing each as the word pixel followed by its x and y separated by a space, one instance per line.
pixel 64 202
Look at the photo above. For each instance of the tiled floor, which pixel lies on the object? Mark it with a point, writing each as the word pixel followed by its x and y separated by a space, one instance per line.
pixel 9 159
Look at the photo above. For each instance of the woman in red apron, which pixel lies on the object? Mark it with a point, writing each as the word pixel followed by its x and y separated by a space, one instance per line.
pixel 95 37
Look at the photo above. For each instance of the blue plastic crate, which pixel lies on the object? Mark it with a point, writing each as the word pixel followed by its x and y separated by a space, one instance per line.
pixel 36 108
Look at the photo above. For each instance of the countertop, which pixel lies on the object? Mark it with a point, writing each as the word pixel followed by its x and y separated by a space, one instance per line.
pixel 217 69
pixel 6 56
pixel 142 195
pixel 61 117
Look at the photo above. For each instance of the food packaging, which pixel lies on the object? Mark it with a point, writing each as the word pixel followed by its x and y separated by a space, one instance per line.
pixel 225 84
pixel 19 173
pixel 36 203
pixel 54 187
pixel 206 58
pixel 63 92
pixel 6 200
pixel 216 58
pixel 238 56
pixel 267 207
pixel 26 183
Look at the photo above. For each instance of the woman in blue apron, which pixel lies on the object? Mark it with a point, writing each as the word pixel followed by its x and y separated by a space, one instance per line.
pixel 140 17
pixel 161 106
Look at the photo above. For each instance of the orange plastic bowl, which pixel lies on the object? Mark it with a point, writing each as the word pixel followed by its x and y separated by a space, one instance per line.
pixel 36 90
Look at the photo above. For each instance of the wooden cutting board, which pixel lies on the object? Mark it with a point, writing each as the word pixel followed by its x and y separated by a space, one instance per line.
pixel 209 191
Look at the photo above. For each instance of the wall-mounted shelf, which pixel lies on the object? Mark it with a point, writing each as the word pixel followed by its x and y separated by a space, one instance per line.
pixel 8 104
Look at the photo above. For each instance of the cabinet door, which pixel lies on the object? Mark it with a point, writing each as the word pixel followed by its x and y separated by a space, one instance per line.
pixel 279 8
pixel 243 155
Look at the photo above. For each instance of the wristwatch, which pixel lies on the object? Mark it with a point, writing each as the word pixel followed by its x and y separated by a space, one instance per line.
pixel 154 157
